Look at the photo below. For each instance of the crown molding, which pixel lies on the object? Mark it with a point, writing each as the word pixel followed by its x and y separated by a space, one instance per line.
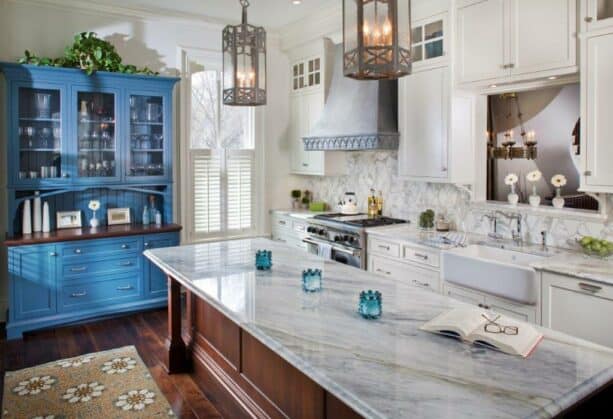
pixel 156 14
pixel 326 22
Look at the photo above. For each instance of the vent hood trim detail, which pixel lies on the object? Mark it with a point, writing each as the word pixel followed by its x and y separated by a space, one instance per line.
pixel 380 141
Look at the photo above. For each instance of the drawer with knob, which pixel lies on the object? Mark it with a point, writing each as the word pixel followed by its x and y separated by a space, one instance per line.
pixel 106 291
pixel 101 248
pixel 383 247
pixel 86 271
pixel 421 255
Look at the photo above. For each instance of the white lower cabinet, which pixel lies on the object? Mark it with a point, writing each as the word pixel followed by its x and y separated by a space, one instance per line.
pixel 578 307
pixel 524 312
pixel 289 230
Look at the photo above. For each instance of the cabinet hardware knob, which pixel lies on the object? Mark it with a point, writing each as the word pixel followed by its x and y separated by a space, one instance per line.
pixel 587 173
pixel 65 175
pixel 305 165
pixel 282 222
pixel 53 254
pixel 384 247
pixel 383 272
pixel 78 294
pixel 589 287
pixel 126 288
pixel 589 19
pixel 125 264
pixel 443 168
pixel 146 244
pixel 124 246
pixel 511 65
pixel 421 255
pixel 79 269
pixel 77 251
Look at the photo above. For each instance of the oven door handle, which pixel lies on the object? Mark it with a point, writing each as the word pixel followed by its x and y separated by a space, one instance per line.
pixel 347 250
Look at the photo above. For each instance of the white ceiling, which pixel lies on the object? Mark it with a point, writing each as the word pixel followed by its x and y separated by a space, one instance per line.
pixel 271 14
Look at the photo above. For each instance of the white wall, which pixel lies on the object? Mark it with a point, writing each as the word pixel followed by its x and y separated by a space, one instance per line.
pixel 46 26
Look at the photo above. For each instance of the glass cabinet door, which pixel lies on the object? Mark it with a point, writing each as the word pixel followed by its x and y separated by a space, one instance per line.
pixel 427 39
pixel 39 129
pixel 147 146
pixel 96 135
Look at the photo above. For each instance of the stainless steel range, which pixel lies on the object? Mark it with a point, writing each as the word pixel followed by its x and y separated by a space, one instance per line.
pixel 343 237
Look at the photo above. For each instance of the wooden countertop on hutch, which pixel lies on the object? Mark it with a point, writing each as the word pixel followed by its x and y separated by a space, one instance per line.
pixel 86 233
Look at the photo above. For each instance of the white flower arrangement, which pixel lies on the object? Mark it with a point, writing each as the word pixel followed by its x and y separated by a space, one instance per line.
pixel 534 176
pixel 94 205
pixel 511 179
pixel 558 181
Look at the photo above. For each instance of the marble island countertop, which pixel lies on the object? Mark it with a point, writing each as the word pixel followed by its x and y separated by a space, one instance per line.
pixel 385 368
pixel 556 260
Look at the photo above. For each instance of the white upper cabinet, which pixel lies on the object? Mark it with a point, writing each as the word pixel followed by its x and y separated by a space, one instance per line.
pixel 481 42
pixel 597 14
pixel 503 41
pixel 429 42
pixel 597 123
pixel 310 77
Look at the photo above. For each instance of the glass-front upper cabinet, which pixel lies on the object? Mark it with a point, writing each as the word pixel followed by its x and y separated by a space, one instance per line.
pixel 428 40
pixel 40 135
pixel 148 143
pixel 96 134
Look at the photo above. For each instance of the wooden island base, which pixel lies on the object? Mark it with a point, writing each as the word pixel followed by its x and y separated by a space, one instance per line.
pixel 240 375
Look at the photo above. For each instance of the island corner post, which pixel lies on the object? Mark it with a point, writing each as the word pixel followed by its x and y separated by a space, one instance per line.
pixel 241 375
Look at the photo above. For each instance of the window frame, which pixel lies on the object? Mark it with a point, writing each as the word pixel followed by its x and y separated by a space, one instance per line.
pixel 193 60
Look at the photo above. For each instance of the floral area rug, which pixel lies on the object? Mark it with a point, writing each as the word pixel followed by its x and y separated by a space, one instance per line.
pixel 110 384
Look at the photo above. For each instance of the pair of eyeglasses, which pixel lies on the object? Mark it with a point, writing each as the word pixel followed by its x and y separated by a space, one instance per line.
pixel 492 327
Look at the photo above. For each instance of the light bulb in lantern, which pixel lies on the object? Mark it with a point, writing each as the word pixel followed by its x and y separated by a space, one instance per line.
pixel 387 32
pixel 251 79
pixel 366 33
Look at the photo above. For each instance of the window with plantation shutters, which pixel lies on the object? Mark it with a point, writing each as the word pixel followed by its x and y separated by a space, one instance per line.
pixel 221 162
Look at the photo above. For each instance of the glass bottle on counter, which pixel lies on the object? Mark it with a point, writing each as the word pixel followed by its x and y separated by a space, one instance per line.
pixel 372 204
pixel 379 201
pixel 146 219
pixel 152 209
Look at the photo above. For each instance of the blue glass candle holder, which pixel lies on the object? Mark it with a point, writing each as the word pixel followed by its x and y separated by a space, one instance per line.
pixel 311 280
pixel 263 260
pixel 370 304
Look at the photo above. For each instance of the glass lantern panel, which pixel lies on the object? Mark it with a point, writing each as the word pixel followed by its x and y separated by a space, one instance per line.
pixel 146 157
pixel 605 9
pixel 350 25
pixel 434 30
pixel 40 133
pixel 377 25
pixel 228 70
pixel 404 26
pixel 96 134
pixel 262 70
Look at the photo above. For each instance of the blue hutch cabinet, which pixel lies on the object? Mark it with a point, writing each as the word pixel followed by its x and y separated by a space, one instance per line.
pixel 73 138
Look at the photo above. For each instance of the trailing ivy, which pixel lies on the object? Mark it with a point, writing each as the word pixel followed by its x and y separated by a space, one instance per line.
pixel 90 54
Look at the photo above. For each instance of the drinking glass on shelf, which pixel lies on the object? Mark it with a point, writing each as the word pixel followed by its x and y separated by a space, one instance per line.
pixel 157 141
pixel 45 136
pixel 145 142
pixel 107 139
pixel 30 131
pixel 43 105
pixel 95 139
pixel 52 171
pixel 57 133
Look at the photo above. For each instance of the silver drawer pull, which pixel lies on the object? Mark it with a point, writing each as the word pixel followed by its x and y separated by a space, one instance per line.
pixel 282 222
pixel 484 306
pixel 126 288
pixel 124 246
pixel 421 255
pixel 79 269
pixel 589 287
pixel 125 264
pixel 421 284
pixel 383 272
pixel 53 254
pixel 77 251
pixel 384 247
pixel 146 244
pixel 78 294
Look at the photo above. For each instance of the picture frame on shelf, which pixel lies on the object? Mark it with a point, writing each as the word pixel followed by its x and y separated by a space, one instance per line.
pixel 68 219
pixel 118 216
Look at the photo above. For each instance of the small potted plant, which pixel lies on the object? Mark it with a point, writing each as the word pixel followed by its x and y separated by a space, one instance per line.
pixel 94 205
pixel 511 180
pixel 306 199
pixel 533 177
pixel 558 181
pixel 296 195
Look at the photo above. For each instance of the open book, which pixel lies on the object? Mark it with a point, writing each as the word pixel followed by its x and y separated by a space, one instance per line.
pixel 469 324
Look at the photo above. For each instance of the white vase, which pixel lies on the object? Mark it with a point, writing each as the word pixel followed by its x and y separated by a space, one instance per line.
pixel 513 197
pixel 94 222
pixel 534 200
pixel 46 219
pixel 26 218
pixel 558 201
pixel 38 215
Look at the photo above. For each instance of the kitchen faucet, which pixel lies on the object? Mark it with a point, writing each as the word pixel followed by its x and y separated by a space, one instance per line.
pixel 517 235
pixel 493 233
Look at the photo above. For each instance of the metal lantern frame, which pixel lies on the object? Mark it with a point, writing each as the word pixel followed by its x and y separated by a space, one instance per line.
pixel 240 43
pixel 376 62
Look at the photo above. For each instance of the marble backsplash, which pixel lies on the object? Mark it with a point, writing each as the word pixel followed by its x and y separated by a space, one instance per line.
pixel 406 199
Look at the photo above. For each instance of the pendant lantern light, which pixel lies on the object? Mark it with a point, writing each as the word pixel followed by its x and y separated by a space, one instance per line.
pixel 244 63
pixel 376 39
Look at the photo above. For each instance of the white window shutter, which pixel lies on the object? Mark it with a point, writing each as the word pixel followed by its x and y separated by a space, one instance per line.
pixel 240 186
pixel 206 183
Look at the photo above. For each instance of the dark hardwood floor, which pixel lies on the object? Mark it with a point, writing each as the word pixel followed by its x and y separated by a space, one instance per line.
pixel 146 331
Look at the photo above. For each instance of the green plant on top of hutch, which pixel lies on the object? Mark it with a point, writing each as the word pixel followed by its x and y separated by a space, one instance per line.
pixel 75 138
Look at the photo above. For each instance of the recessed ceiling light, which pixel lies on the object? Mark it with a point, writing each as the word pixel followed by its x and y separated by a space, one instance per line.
pixel 296 2
pixel 493 85
pixel 552 78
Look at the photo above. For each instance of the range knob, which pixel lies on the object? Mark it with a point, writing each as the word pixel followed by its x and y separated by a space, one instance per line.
pixel 311 229
pixel 350 239
pixel 337 238
pixel 321 232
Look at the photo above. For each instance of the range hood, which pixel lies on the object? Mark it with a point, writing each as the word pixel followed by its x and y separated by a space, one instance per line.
pixel 358 115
